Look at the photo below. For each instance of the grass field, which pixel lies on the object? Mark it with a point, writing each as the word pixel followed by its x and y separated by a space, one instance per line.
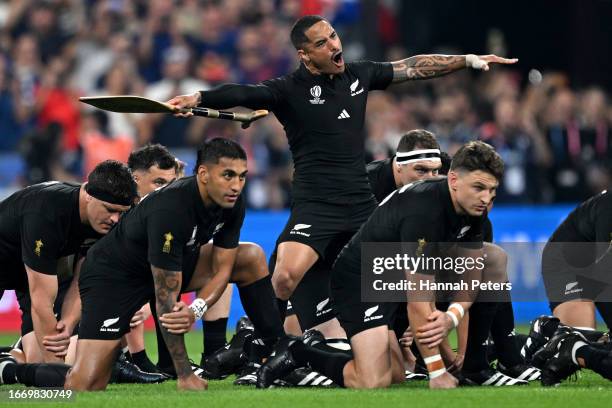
pixel 589 391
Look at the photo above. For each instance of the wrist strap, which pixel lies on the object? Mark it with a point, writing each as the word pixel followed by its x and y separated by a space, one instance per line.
pixel 472 61
pixel 199 307
pixel 455 312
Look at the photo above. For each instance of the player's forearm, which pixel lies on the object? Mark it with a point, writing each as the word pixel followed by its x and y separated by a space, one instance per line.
pixel 44 322
pixel 212 291
pixel 462 334
pixel 167 288
pixel 232 95
pixel 71 308
pixel 426 66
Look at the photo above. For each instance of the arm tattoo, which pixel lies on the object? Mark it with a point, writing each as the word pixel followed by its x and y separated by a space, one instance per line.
pixel 167 289
pixel 426 66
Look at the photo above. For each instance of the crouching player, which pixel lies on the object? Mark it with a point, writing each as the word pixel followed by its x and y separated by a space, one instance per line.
pixel 155 251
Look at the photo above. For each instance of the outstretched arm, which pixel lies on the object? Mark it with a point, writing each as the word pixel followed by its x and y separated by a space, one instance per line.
pixel 434 65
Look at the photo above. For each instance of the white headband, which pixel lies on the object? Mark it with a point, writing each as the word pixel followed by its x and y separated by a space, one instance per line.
pixel 417 155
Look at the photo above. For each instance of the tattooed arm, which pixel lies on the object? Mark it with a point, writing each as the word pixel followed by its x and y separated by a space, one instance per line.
pixel 434 65
pixel 167 289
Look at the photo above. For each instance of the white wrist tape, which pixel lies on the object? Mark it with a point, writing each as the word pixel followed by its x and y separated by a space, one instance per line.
pixel 453 318
pixel 455 312
pixel 459 308
pixel 199 307
pixel 472 61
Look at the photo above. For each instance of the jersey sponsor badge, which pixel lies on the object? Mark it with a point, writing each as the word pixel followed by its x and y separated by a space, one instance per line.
pixel 167 242
pixel 38 244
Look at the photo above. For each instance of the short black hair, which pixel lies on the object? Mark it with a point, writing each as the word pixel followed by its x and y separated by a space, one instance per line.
pixel 298 31
pixel 214 149
pixel 417 137
pixel 477 155
pixel 113 179
pixel 151 155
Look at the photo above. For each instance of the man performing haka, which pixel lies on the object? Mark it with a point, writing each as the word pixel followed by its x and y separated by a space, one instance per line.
pixel 322 108
pixel 156 250
pixel 430 211
pixel 418 157
pixel 43 223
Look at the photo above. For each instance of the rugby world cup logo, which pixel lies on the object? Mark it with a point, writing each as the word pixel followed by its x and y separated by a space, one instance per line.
pixel 315 91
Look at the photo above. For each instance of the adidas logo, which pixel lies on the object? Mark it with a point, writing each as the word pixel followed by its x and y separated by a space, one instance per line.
pixel 109 322
pixel 344 114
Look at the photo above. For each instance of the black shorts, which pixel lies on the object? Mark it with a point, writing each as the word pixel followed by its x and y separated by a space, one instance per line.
pixel 325 227
pixel 25 304
pixel 354 315
pixel 108 305
pixel 310 301
pixel 565 282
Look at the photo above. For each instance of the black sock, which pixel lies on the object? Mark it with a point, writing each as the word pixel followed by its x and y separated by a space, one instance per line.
pixel 591 335
pixel 328 363
pixel 481 318
pixel 143 362
pixel 597 360
pixel 164 360
pixel 502 332
pixel 259 305
pixel 282 308
pixel 36 375
pixel 214 335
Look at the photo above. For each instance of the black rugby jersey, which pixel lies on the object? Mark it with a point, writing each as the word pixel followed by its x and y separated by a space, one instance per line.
pixel 591 221
pixel 41 224
pixel 380 174
pixel 323 118
pixel 382 182
pixel 418 211
pixel 165 228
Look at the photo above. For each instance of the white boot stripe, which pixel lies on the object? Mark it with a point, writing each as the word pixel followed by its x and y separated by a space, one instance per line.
pixel 308 378
pixel 319 380
pixel 327 382
pixel 493 379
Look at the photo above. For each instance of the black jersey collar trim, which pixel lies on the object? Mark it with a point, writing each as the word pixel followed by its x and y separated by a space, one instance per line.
pixel 303 72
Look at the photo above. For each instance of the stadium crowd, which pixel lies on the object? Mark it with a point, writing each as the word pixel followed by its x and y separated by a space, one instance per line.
pixel 553 138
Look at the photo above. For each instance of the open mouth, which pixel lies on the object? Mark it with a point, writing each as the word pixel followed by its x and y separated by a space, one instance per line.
pixel 337 58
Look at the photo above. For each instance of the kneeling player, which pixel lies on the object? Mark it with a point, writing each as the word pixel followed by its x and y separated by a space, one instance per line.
pixel 155 250
pixel 434 211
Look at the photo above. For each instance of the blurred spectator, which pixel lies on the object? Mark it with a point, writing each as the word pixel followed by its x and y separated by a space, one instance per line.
pixel 555 139
pixel 166 129
pixel 100 144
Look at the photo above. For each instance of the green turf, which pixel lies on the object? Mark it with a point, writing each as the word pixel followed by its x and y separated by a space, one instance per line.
pixel 589 390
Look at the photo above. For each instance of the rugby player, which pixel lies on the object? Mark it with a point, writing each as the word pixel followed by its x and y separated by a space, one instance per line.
pixel 322 108
pixel 43 223
pixel 575 268
pixel 157 249
pixel 434 211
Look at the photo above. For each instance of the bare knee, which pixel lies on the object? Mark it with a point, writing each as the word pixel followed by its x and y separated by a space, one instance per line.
pixel 496 263
pixel 283 281
pixel 251 264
